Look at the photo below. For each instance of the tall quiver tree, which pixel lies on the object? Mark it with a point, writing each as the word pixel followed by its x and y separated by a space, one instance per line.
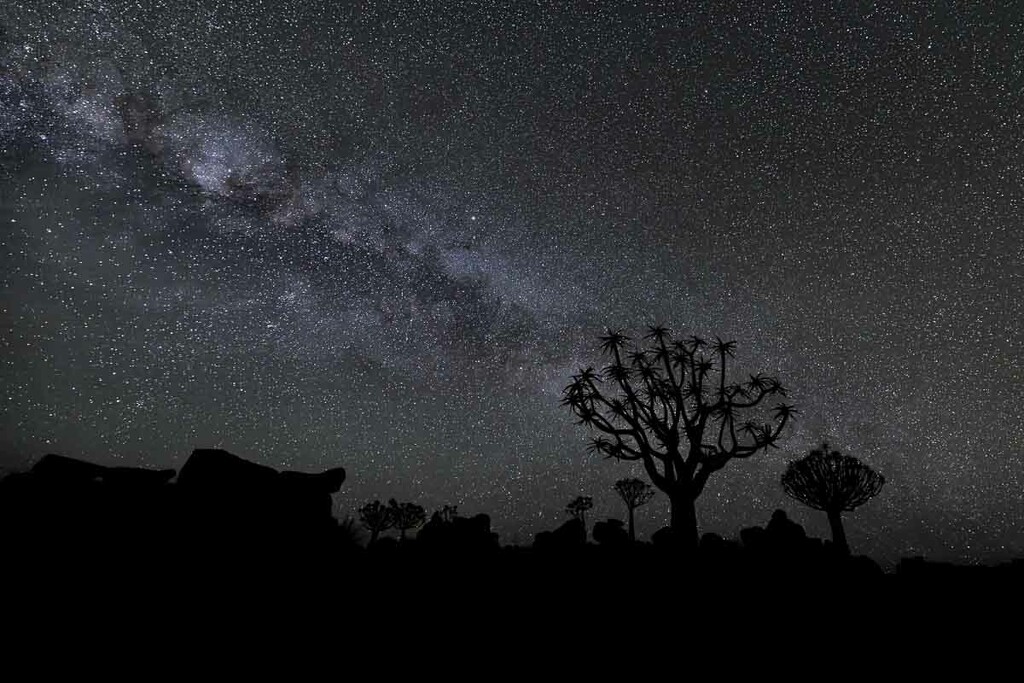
pixel 669 404
pixel 833 483
pixel 634 493
pixel 376 517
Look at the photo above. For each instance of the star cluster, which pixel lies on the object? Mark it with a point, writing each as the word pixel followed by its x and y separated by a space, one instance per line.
pixel 382 235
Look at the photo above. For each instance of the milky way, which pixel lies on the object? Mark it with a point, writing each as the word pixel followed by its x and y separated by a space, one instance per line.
pixel 383 235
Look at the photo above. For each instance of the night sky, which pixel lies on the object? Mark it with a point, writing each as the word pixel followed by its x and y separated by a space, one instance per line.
pixel 383 235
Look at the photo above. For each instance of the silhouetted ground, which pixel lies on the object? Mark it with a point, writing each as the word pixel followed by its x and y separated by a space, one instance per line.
pixel 233 538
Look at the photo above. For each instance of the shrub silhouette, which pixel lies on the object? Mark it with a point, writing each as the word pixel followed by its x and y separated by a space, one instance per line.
pixel 377 518
pixel 669 404
pixel 833 483
pixel 634 493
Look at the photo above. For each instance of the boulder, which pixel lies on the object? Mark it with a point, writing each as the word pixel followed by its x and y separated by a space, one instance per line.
pixel 222 494
pixel 570 535
pixel 611 533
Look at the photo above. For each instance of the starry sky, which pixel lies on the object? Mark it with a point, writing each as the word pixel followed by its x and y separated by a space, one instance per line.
pixel 382 235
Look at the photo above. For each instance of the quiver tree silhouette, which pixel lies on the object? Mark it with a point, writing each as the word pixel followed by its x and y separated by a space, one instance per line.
pixel 634 493
pixel 376 517
pixel 833 483
pixel 577 508
pixel 669 404
pixel 407 516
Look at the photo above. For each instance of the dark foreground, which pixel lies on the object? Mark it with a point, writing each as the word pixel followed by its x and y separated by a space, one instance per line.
pixel 230 542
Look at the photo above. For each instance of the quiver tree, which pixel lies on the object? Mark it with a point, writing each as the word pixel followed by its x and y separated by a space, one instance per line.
pixel 833 483
pixel 577 508
pixel 407 516
pixel 634 493
pixel 376 517
pixel 670 404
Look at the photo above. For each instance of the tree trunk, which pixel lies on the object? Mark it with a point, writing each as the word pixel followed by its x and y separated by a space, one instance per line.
pixel 684 520
pixel 835 520
pixel 632 531
pixel 374 532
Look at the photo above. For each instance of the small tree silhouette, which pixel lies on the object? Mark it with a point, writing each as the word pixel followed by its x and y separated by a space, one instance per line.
pixel 447 513
pixel 407 516
pixel 376 517
pixel 833 483
pixel 578 508
pixel 669 404
pixel 634 493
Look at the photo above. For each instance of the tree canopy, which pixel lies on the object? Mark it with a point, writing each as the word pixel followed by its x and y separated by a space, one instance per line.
pixel 829 481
